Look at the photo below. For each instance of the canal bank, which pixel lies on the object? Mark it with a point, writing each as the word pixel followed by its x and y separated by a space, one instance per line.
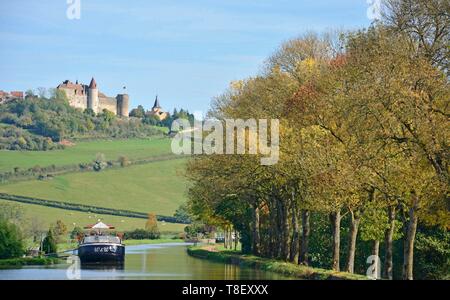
pixel 28 261
pixel 290 270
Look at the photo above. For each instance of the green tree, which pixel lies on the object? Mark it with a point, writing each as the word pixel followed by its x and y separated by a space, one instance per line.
pixel 76 232
pixel 11 244
pixel 59 231
pixel 138 112
pixel 49 244
pixel 182 214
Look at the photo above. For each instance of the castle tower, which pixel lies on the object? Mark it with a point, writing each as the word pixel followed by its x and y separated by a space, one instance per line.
pixel 93 102
pixel 122 105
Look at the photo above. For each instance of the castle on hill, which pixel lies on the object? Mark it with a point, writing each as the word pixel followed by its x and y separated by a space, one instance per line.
pixel 88 96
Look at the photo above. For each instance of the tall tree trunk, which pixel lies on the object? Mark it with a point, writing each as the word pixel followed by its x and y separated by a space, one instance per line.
pixel 408 250
pixel 304 259
pixel 376 253
pixel 354 226
pixel 295 243
pixel 279 233
pixel 256 234
pixel 230 237
pixel 335 218
pixel 225 237
pixel 274 239
pixel 283 229
pixel 388 240
pixel 229 242
pixel 285 241
pixel 235 239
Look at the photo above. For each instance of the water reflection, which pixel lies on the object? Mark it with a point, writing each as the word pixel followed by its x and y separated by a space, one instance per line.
pixel 103 267
pixel 166 261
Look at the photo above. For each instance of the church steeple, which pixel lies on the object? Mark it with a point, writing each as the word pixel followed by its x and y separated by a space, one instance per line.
pixel 156 105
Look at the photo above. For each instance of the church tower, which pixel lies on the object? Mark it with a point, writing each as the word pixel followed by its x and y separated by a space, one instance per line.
pixel 93 102
pixel 157 110
pixel 156 107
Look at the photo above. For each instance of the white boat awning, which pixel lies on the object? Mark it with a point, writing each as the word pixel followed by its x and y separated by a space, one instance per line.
pixel 100 225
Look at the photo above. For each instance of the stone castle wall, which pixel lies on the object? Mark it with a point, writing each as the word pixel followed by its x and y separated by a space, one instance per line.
pixel 118 105
pixel 77 101
pixel 108 103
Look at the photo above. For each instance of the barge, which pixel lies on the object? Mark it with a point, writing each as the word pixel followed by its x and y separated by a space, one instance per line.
pixel 100 247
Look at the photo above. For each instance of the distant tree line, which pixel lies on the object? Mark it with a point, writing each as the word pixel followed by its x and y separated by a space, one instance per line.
pixel 149 119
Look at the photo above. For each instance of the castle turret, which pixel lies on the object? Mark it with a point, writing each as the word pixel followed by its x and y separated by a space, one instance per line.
pixel 93 101
pixel 122 105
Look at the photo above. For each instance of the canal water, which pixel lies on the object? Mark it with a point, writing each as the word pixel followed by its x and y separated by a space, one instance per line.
pixel 163 261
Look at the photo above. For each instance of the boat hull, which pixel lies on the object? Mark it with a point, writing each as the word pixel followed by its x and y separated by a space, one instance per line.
pixel 101 253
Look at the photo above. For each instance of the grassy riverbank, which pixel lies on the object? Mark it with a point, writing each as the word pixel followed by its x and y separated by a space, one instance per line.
pixel 28 261
pixel 288 269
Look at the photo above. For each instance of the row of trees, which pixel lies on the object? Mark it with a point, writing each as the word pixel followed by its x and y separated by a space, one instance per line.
pixel 364 145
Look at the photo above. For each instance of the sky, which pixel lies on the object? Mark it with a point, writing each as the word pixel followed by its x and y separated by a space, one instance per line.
pixel 184 51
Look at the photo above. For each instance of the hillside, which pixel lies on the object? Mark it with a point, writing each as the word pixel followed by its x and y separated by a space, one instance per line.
pixel 85 151
pixel 155 187
pixel 38 123
pixel 48 215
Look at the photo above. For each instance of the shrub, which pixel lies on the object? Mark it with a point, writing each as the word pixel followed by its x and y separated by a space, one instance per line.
pixel 140 234
pixel 124 161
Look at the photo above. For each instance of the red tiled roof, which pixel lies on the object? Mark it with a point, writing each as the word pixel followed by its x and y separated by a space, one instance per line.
pixel 17 94
pixel 93 84
pixel 69 85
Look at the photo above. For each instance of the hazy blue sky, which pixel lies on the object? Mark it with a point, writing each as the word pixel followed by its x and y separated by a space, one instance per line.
pixel 186 51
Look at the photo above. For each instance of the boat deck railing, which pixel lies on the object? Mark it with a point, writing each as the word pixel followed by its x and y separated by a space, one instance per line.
pixel 101 239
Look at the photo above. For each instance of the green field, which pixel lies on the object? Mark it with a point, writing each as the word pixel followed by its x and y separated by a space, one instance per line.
pixel 48 215
pixel 84 152
pixel 157 187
